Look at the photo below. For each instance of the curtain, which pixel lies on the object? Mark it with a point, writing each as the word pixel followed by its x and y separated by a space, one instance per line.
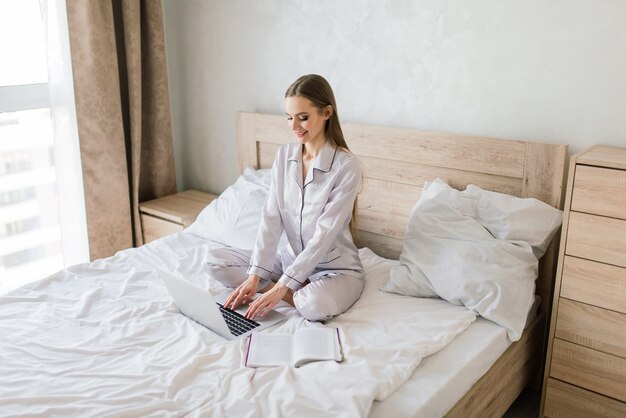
pixel 72 217
pixel 123 114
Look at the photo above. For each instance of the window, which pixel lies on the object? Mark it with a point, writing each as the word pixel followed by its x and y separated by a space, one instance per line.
pixel 30 233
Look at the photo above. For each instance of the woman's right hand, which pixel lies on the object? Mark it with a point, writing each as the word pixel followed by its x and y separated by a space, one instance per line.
pixel 243 293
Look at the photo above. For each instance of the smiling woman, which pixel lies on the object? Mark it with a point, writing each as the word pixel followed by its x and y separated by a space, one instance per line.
pixel 315 181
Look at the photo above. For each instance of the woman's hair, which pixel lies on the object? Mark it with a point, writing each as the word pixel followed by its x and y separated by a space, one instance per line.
pixel 315 88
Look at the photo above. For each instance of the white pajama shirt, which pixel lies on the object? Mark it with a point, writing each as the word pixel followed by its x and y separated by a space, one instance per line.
pixel 314 215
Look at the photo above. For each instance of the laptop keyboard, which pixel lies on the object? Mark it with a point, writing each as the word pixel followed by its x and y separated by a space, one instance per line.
pixel 237 323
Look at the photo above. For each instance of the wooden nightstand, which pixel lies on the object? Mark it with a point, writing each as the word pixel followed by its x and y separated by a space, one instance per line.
pixel 173 213
pixel 585 372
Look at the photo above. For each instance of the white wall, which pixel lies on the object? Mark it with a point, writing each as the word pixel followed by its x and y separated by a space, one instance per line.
pixel 549 71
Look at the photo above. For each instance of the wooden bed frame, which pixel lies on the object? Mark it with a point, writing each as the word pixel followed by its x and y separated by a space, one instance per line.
pixel 396 163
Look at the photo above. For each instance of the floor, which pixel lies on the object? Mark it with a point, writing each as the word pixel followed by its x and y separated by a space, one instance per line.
pixel 525 406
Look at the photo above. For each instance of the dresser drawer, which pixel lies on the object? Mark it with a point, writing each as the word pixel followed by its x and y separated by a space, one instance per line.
pixel 594 283
pixel 599 190
pixel 581 366
pixel 597 238
pixel 155 228
pixel 597 328
pixel 567 401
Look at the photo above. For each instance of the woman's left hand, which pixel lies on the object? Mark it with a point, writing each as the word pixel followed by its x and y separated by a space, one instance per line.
pixel 264 303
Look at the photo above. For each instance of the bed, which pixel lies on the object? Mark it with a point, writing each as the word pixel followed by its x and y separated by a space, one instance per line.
pixel 104 338
pixel 397 162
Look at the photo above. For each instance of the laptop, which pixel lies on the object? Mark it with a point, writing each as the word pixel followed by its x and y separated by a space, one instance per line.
pixel 207 310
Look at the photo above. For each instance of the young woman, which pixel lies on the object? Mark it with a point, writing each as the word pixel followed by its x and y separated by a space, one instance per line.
pixel 315 266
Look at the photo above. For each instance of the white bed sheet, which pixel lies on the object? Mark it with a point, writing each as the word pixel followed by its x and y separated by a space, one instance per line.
pixel 105 339
pixel 441 380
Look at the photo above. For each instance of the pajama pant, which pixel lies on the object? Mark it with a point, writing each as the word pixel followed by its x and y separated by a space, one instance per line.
pixel 329 293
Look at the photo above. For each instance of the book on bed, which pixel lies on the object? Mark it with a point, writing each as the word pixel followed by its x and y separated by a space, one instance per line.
pixel 306 345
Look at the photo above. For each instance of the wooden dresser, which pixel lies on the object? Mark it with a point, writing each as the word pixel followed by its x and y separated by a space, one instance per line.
pixel 585 372
pixel 173 213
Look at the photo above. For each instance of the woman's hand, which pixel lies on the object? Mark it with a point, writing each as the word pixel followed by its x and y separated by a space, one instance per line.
pixel 264 303
pixel 243 293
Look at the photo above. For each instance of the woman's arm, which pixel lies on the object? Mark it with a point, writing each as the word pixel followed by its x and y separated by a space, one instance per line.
pixel 243 292
pixel 271 227
pixel 264 303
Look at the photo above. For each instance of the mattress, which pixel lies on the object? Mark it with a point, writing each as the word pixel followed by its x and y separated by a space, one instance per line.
pixel 443 378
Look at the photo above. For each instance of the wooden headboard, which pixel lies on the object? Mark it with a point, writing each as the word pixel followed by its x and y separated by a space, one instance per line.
pixel 398 161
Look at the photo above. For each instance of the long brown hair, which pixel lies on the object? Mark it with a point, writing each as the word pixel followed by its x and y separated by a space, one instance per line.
pixel 315 88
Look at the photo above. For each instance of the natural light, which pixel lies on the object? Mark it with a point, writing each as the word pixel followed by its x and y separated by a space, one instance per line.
pixel 22 42
pixel 30 235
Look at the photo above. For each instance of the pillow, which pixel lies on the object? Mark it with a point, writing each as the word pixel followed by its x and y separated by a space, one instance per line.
pixel 234 217
pixel 475 248
pixel 511 218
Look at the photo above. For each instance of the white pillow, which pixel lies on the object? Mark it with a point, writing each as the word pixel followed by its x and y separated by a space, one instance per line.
pixel 234 217
pixel 475 248
pixel 511 218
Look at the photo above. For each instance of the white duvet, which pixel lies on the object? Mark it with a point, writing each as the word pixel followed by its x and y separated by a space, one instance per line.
pixel 105 339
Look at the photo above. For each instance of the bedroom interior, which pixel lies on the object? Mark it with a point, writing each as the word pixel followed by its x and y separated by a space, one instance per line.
pixel 125 290
pixel 439 100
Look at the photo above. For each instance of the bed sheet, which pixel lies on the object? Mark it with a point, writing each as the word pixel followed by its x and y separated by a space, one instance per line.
pixel 105 339
pixel 444 378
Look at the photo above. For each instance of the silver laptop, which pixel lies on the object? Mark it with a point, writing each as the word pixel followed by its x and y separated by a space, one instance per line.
pixel 208 310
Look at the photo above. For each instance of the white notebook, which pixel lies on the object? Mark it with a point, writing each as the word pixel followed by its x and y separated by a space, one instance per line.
pixel 304 346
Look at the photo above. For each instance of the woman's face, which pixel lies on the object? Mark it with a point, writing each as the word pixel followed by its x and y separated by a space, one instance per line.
pixel 305 120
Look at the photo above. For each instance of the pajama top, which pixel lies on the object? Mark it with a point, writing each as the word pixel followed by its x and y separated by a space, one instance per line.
pixel 313 214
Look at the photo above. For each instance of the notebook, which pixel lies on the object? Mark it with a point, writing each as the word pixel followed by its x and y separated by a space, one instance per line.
pixel 206 309
pixel 304 346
